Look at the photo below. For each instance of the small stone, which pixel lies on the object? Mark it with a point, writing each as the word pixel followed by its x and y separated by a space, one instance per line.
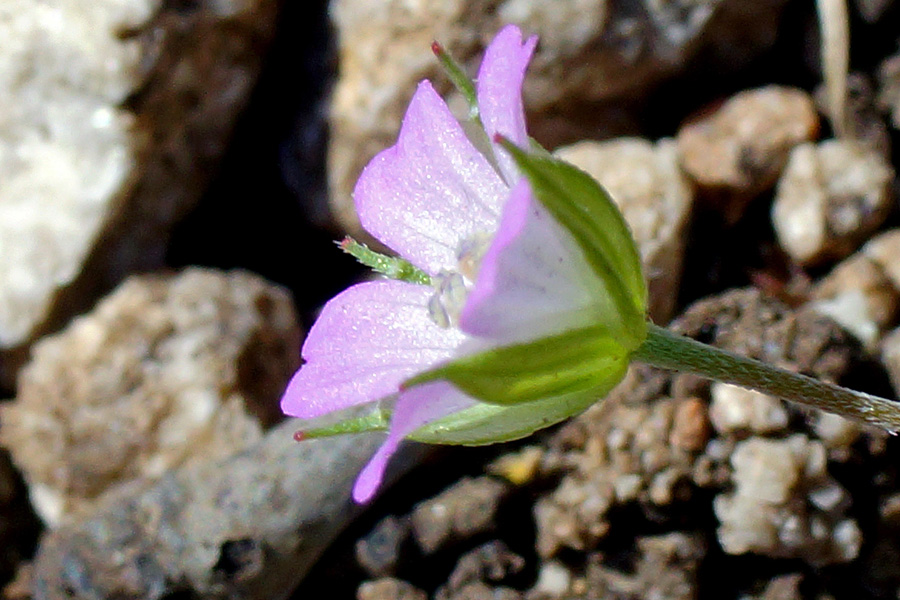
pixel 859 297
pixel 518 468
pixel 165 372
pixel 466 508
pixel 890 357
pixel 656 199
pixel 477 572
pixel 554 580
pixel 889 88
pixel 739 149
pixel 783 587
pixel 736 409
pixel 379 551
pixel 835 431
pixel 785 504
pixel 831 196
pixel 690 425
pixel 388 588
pixel 884 249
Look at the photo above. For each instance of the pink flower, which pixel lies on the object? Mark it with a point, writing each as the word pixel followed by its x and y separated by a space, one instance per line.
pixel 533 309
pixel 435 200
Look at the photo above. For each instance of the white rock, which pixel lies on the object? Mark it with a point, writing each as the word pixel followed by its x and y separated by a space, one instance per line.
pixel 737 409
pixel 830 196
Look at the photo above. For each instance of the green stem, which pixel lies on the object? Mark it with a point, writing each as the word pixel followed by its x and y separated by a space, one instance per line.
pixel 668 350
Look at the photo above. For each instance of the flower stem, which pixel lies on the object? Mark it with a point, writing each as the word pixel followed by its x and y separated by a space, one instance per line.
pixel 668 350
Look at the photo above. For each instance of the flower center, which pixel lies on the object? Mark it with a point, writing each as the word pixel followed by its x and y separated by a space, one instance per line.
pixel 452 285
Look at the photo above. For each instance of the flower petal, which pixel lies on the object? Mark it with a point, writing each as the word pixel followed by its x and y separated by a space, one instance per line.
pixel 532 281
pixel 367 341
pixel 415 407
pixel 431 189
pixel 499 90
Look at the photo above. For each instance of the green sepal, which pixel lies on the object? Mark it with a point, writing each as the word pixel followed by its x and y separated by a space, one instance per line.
pixel 389 266
pixel 585 209
pixel 376 420
pixel 491 423
pixel 574 361
pixel 458 77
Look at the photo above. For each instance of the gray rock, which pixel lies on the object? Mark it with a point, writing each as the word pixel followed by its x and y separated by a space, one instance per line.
pixel 736 409
pixel 466 508
pixel 112 116
pixel 595 59
pixel 247 528
pixel 656 199
pixel 830 196
pixel 166 371
pixel 379 551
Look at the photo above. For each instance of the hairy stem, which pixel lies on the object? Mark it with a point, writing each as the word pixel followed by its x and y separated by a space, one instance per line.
pixel 668 350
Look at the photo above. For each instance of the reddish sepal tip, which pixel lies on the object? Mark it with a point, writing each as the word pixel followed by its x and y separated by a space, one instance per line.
pixel 299 436
pixel 437 48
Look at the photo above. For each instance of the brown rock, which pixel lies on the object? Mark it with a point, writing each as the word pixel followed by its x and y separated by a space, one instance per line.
pixel 388 588
pixel 738 150
pixel 167 371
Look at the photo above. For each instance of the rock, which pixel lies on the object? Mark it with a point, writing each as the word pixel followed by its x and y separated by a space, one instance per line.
pixel 167 371
pixel 466 508
pixel 554 581
pixel 690 425
pixel 890 357
pixel 595 59
pixel 656 199
pixel 378 552
pixel 476 573
pixel 829 198
pixel 738 149
pixel 859 297
pixel 625 457
pixel 736 409
pixel 112 116
pixel 666 569
pixel 872 10
pixel 246 528
pixel 889 88
pixel 883 249
pixel 388 588
pixel 785 504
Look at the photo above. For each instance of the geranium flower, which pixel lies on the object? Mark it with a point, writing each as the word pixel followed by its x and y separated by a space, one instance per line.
pixel 520 327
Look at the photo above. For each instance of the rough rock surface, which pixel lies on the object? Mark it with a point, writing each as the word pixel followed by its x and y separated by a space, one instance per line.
pixel 785 504
pixel 594 57
pixel 656 198
pixel 166 371
pixel 112 115
pixel 859 296
pixel 738 150
pixel 734 409
pixel 248 528
pixel 889 88
pixel 830 196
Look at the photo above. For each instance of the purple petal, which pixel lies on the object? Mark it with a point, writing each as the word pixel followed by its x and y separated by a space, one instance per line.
pixel 533 280
pixel 367 341
pixel 500 92
pixel 415 407
pixel 433 188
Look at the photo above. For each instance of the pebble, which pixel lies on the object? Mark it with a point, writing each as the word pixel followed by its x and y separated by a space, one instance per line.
pixel 388 588
pixel 859 297
pixel 466 508
pixel 379 551
pixel 785 504
pixel 736 409
pixel 884 249
pixel 830 196
pixel 738 149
